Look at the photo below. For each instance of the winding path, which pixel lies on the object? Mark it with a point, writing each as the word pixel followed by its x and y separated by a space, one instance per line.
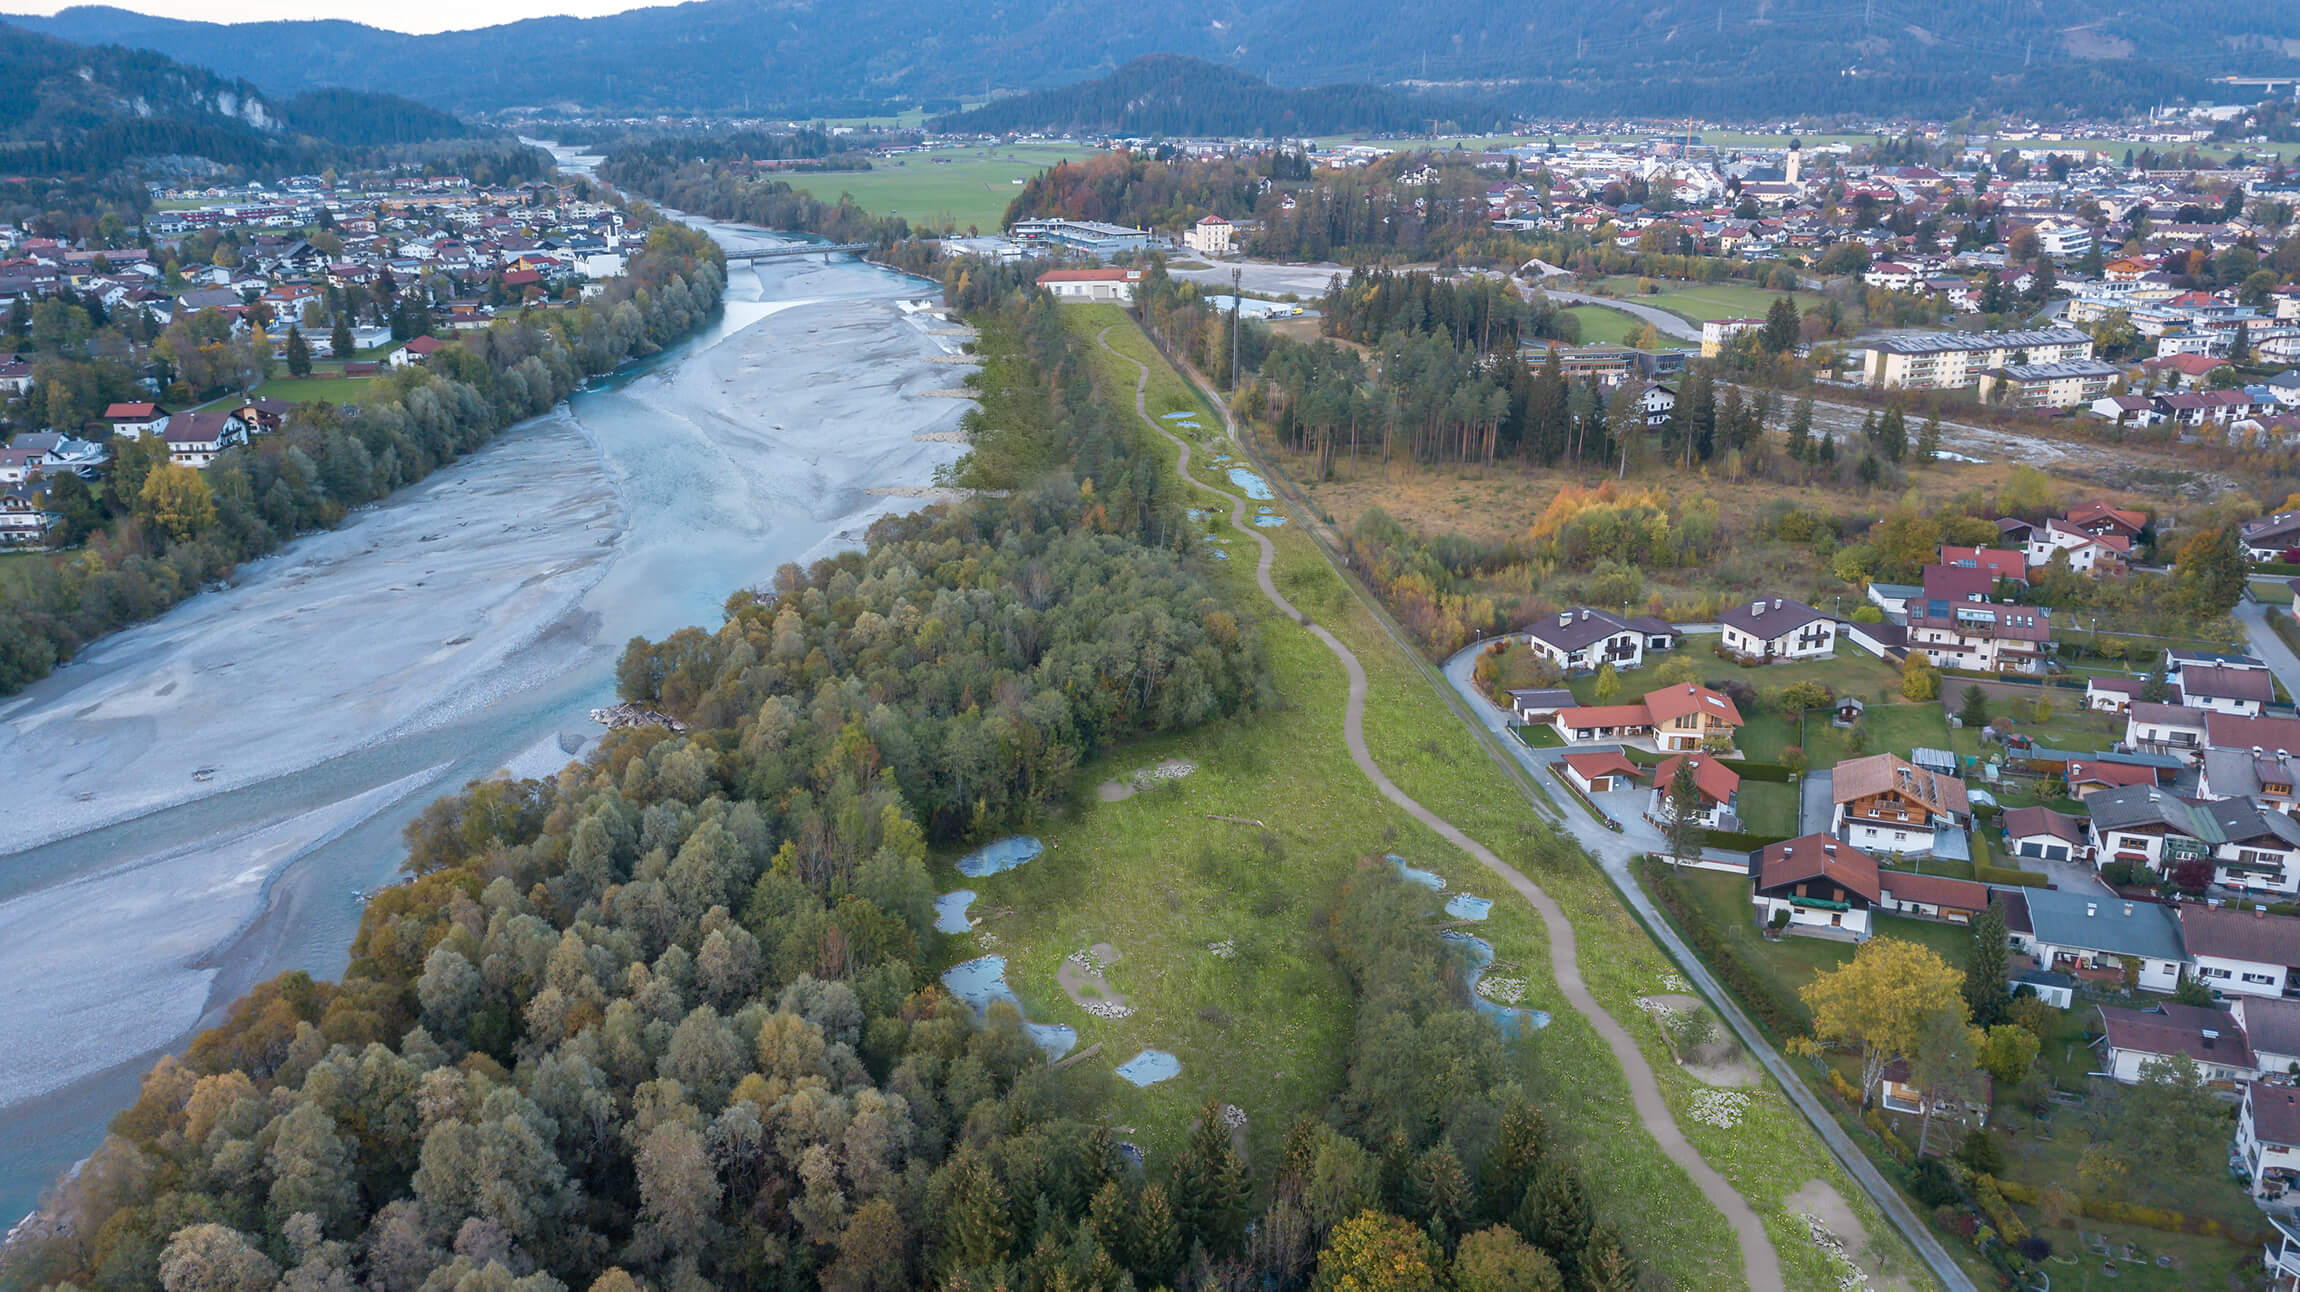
pixel 1760 1264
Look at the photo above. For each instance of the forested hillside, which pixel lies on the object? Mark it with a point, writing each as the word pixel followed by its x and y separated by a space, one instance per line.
pixel 71 110
pixel 1639 57
pixel 1170 94
pixel 669 1019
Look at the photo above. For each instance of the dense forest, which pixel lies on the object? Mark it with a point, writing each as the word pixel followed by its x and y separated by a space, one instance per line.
pixel 66 110
pixel 1170 94
pixel 159 531
pixel 1575 58
pixel 668 1018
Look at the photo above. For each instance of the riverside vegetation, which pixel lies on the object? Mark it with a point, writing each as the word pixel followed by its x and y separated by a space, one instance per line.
pixel 667 1018
pixel 160 531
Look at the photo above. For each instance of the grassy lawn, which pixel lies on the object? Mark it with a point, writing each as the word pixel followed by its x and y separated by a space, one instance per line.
pixel 315 389
pixel 17 567
pixel 1892 728
pixel 957 188
pixel 1768 808
pixel 1159 879
pixel 2271 592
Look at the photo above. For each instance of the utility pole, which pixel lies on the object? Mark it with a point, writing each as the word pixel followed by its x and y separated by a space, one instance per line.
pixel 1236 301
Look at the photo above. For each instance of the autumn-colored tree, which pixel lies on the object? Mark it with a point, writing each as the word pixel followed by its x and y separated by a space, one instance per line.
pixel 1919 679
pixel 1497 1260
pixel 1877 1003
pixel 177 499
pixel 1608 684
pixel 1376 1252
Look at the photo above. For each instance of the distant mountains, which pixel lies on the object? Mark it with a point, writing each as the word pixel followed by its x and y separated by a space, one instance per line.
pixel 67 109
pixel 1172 94
pixel 1720 58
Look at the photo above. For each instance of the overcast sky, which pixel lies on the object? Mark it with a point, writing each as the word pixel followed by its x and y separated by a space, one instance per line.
pixel 400 15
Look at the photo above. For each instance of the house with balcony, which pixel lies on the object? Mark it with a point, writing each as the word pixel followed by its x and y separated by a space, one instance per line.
pixel 2175 729
pixel 2262 776
pixel 2282 1257
pixel 1886 804
pixel 2268 1141
pixel 2088 934
pixel 1956 628
pixel 1815 885
pixel 1777 628
pixel 2268 538
pixel 2142 825
pixel 2255 850
pixel 1581 639
pixel 1715 784
pixel 2241 953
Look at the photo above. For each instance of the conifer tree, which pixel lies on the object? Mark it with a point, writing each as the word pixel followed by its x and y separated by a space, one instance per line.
pixel 1210 1185
pixel 298 353
pixel 975 1230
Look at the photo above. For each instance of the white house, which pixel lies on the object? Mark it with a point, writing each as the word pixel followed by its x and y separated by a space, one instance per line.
pixel 135 421
pixel 2088 553
pixel 2176 729
pixel 2068 930
pixel 2041 834
pixel 1090 284
pixel 194 439
pixel 1887 804
pixel 2133 1038
pixel 2247 953
pixel 2215 688
pixel 1815 885
pixel 23 522
pixel 1582 640
pixel 1212 236
pixel 2268 1137
pixel 1715 784
pixel 2272 1026
pixel 1772 628
pixel 1655 402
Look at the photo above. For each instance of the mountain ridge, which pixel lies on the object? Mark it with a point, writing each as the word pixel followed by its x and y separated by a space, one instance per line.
pixel 1569 57
pixel 1175 94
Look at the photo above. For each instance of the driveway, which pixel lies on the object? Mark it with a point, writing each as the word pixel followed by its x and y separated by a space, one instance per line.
pixel 1817 802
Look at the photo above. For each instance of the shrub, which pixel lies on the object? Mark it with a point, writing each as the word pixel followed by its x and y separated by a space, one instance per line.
pixel 1932 1184
pixel 2011 878
pixel 1775 1010
pixel 2033 1248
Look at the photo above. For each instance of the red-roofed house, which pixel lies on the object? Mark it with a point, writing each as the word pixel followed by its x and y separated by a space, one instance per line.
pixel 135 421
pixel 2000 562
pixel 2100 518
pixel 1714 781
pixel 1090 284
pixel 1600 771
pixel 416 351
pixel 1814 884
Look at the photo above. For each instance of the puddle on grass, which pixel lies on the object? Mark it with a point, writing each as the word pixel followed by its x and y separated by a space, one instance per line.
pixel 1221 555
pixel 1150 1067
pixel 1508 1017
pixel 982 981
pixel 1255 486
pixel 1005 854
pixel 1430 880
pixel 1269 522
pixel 1464 907
pixel 950 911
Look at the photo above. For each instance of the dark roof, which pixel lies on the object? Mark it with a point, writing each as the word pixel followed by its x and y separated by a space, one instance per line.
pixel 2231 934
pixel 1816 856
pixel 2275 1112
pixel 2218 683
pixel 1570 630
pixel 2233 731
pixel 2014 903
pixel 1768 617
pixel 2203 1034
pixel 1542 697
pixel 2026 821
pixel 2271 1023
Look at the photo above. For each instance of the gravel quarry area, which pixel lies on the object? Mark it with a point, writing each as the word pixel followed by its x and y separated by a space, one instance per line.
pixel 197 803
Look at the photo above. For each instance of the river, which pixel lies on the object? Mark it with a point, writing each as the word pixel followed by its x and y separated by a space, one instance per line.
pixel 194 804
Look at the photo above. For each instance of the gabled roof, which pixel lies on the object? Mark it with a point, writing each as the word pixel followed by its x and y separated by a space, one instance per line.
pixel 1602 762
pixel 1768 617
pixel 2230 934
pixel 1935 890
pixel 1575 627
pixel 2203 1034
pixel 1716 781
pixel 2275 1112
pixel 2232 731
pixel 2029 822
pixel 2216 683
pixel 1677 701
pixel 1816 856
pixel 1859 778
pixel 1606 715
pixel 2271 1023
pixel 2097 510
pixel 2097 920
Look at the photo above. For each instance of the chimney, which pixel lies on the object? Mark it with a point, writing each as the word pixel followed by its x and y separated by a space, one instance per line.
pixel 1585 615
pixel 1565 619
pixel 1776 603
pixel 2091 909
pixel 1756 608
pixel 2128 910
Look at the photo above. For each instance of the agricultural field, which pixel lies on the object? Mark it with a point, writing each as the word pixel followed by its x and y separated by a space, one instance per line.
pixel 316 389
pixel 1216 923
pixel 958 188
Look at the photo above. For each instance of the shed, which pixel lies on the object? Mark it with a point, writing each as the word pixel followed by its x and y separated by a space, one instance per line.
pixel 1849 709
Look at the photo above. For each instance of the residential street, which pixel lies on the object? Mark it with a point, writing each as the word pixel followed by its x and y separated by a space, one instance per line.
pixel 1613 853
pixel 2266 644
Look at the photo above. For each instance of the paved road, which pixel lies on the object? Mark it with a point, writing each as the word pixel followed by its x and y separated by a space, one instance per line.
pixel 2268 645
pixel 1760 1264
pixel 1613 852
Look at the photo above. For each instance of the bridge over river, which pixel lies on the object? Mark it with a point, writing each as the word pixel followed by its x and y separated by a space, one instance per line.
pixel 794 252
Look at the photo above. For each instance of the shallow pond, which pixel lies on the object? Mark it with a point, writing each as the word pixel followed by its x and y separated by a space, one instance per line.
pixel 1005 854
pixel 1464 907
pixel 950 911
pixel 980 982
pixel 1480 952
pixel 1150 1067
pixel 1430 880
pixel 1255 486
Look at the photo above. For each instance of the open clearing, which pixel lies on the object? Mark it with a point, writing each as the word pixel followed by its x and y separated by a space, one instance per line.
pixel 1220 920
pixel 956 188
pixel 1701 302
